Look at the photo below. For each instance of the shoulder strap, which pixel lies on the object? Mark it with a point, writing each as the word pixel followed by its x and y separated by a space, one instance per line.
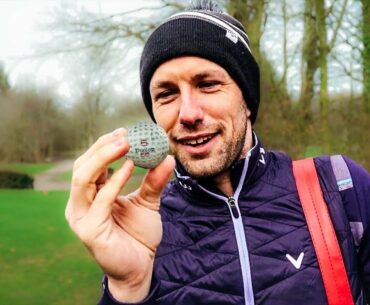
pixel 344 182
pixel 322 233
pixel 341 172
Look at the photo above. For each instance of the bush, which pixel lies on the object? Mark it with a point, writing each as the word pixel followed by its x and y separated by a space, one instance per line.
pixel 14 180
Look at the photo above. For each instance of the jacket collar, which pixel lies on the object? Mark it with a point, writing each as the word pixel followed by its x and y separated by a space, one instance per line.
pixel 256 161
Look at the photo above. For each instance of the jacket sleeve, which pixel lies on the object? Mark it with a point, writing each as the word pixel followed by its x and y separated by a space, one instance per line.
pixel 361 183
pixel 108 299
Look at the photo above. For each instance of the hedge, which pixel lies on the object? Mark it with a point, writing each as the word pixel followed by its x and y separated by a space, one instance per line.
pixel 15 180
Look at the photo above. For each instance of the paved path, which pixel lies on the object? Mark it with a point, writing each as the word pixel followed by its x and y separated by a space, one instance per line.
pixel 48 180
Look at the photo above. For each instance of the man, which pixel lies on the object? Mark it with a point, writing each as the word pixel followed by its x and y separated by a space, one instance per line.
pixel 230 228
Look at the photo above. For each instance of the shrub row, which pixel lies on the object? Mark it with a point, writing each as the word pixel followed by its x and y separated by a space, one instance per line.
pixel 15 180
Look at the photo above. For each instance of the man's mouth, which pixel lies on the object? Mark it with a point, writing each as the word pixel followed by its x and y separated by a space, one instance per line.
pixel 197 140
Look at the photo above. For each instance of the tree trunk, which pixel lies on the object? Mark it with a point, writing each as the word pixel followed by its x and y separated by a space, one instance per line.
pixel 366 54
pixel 285 44
pixel 309 59
pixel 323 54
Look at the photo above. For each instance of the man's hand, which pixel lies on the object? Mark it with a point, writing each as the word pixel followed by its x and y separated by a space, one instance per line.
pixel 122 232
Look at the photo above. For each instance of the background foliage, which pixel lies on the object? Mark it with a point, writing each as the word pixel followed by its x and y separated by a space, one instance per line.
pixel 305 49
pixel 314 57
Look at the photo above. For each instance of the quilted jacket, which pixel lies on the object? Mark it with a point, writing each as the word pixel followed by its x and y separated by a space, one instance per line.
pixel 255 247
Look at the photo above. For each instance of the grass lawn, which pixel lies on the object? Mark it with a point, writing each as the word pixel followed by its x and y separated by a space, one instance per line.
pixel 27 168
pixel 41 261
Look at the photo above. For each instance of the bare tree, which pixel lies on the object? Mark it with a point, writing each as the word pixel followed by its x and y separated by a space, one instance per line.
pixel 366 53
pixel 309 58
pixel 316 49
pixel 28 121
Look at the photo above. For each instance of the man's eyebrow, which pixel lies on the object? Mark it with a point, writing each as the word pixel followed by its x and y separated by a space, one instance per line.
pixel 162 84
pixel 208 73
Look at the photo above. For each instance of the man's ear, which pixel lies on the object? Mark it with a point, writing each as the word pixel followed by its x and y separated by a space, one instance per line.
pixel 248 112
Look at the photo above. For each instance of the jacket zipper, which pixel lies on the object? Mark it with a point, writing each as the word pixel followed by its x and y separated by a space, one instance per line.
pixel 234 210
pixel 232 203
pixel 243 249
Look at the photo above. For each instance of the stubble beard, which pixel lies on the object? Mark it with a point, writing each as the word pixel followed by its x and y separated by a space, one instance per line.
pixel 218 161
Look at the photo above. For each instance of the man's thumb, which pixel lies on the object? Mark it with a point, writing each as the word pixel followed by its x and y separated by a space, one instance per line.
pixel 156 179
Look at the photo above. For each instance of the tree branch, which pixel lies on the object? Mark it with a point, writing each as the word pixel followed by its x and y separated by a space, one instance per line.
pixel 345 69
pixel 338 25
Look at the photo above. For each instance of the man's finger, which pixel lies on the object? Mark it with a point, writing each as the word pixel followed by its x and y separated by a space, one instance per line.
pixel 79 203
pixel 103 177
pixel 156 179
pixel 93 168
pixel 87 178
pixel 102 141
pixel 102 205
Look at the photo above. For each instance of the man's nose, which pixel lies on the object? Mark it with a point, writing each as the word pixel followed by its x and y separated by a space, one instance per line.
pixel 191 111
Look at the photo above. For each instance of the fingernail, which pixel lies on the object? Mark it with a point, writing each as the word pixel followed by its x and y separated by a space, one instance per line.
pixel 118 143
pixel 118 132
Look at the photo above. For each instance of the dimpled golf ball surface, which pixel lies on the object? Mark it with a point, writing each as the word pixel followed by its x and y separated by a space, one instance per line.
pixel 149 144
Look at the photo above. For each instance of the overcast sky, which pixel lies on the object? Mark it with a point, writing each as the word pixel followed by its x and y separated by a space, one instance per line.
pixel 21 32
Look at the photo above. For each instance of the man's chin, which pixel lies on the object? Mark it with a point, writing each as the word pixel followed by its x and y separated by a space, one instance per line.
pixel 203 168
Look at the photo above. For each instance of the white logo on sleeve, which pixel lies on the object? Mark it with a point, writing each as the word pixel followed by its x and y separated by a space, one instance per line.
pixel 296 262
pixel 262 152
pixel 262 160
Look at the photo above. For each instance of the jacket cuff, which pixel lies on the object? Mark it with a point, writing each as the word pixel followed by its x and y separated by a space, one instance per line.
pixel 108 299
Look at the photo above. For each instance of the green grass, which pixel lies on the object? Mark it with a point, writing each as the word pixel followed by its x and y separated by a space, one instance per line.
pixel 41 261
pixel 27 168
pixel 313 151
pixel 66 176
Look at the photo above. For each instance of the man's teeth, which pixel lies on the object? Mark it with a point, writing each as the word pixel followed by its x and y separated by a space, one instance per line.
pixel 197 141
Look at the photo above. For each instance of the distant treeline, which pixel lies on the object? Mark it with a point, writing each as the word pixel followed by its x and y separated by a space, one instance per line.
pixel 34 127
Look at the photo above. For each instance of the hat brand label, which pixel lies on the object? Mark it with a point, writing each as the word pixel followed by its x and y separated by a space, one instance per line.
pixel 232 36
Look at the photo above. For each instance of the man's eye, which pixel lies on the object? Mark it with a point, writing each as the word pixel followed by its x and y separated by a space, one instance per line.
pixel 164 94
pixel 208 84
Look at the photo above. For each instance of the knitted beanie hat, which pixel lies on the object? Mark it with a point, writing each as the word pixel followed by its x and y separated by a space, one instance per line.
pixel 212 35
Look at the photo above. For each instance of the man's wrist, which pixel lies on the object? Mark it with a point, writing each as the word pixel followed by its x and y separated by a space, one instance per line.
pixel 125 292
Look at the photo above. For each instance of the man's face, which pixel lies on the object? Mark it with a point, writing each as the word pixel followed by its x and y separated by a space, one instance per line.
pixel 203 112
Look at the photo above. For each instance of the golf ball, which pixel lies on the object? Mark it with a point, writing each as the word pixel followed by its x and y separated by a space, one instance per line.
pixel 149 144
